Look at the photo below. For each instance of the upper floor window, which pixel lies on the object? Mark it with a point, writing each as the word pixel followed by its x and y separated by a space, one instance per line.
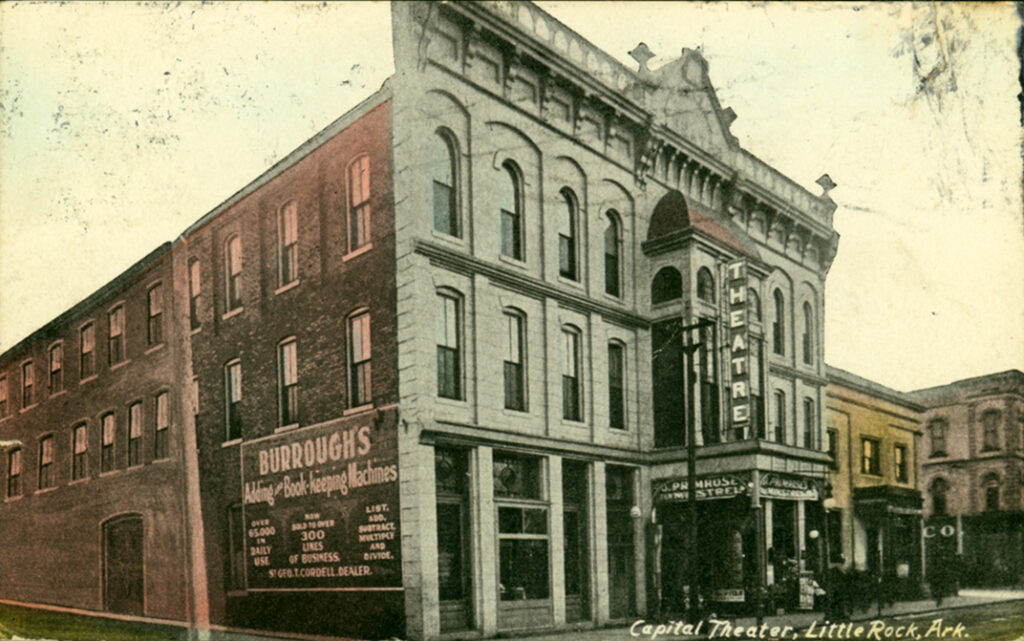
pixel 359 358
pixel 14 472
pixel 56 368
pixel 567 235
pixel 667 285
pixel 134 434
pixel 3 396
pixel 991 486
pixel 443 173
pixel 448 337
pixel 810 432
pixel 79 452
pixel 705 285
pixel 288 382
pixel 46 478
pixel 990 430
pixel 616 385
pixel 612 267
pixel 780 416
pixel 938 492
pixel 233 269
pixel 753 304
pixel 572 390
pixel 870 459
pixel 28 380
pixel 195 292
pixel 359 203
pixel 163 423
pixel 899 455
pixel 510 208
pixel 87 351
pixel 513 369
pixel 107 425
pixel 233 400
pixel 288 244
pixel 155 324
pixel 833 447
pixel 779 324
pixel 115 335
pixel 937 433
pixel 808 337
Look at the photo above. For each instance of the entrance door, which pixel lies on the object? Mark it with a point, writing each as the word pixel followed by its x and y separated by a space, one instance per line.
pixel 621 578
pixel 122 565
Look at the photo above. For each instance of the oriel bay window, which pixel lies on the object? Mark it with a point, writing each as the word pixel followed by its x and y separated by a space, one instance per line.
pixel 513 366
pixel 135 434
pixel 360 388
pixel 442 172
pixel 359 203
pixel 510 209
pixel 288 382
pixel 107 427
pixel 79 452
pixel 567 234
pixel 448 326
pixel 522 528
pixel 616 385
pixel 572 390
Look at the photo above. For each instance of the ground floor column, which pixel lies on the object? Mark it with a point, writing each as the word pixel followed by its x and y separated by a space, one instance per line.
pixel 485 551
pixel 557 539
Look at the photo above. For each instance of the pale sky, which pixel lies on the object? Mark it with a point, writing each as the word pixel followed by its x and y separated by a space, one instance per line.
pixel 121 124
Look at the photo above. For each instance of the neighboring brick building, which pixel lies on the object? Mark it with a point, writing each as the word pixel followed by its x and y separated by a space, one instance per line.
pixel 874 514
pixel 972 474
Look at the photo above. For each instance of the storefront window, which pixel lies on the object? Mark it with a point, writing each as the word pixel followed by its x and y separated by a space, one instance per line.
pixel 522 528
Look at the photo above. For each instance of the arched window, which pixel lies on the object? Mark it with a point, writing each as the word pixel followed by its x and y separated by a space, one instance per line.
pixel 443 173
pixel 779 324
pixel 938 491
pixel 991 486
pixel 937 434
pixel 990 430
pixel 567 235
pixel 288 244
pixel 612 268
pixel 510 209
pixel 359 203
pixel 753 304
pixel 667 285
pixel 705 285
pixel 808 337
pixel 233 271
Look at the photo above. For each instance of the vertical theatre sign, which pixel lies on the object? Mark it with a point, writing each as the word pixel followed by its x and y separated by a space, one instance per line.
pixel 320 507
pixel 739 347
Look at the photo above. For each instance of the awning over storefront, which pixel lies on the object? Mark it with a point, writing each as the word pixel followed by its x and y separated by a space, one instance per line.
pixel 774 485
pixel 880 500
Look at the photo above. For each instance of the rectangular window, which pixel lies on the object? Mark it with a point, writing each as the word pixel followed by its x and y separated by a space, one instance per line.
pixel 780 416
pixel 937 431
pixel 134 434
pixel 571 407
pixel 360 389
pixel 155 325
pixel 163 423
pixel 870 463
pixel 448 338
pixel 288 382
pixel 14 473
pixel 810 442
pixel 56 368
pixel 195 291
pixel 3 396
pixel 233 400
pixel 233 269
pixel 900 461
pixel 833 447
pixel 616 386
pixel 513 370
pixel 359 203
pixel 79 452
pixel 522 529
pixel 288 245
pixel 28 380
pixel 115 336
pixel 236 542
pixel 46 479
pixel 107 449
pixel 87 351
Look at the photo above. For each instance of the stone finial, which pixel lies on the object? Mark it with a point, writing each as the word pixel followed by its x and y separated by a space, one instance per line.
pixel 642 54
pixel 826 184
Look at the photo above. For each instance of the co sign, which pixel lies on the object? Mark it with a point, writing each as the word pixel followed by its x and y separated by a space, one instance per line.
pixel 946 530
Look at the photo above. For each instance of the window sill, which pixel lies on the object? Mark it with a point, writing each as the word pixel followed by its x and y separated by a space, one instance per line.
pixel 234 312
pixel 514 413
pixel 283 288
pixel 109 473
pixel 283 428
pixel 358 251
pixel 45 490
pixel 571 282
pixel 457 241
pixel 12 499
pixel 25 409
pixel 161 461
pixel 120 364
pixel 938 455
pixel 232 442
pixel 452 402
pixel 357 410
pixel 60 393
pixel 235 593
pixel 568 422
pixel 195 330
pixel 5 418
pixel 85 380
pixel 514 262
pixel 78 481
pixel 155 348
pixel 612 298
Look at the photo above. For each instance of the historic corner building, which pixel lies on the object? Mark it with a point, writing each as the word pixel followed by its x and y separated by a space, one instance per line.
pixel 873 512
pixel 439 369
pixel 972 474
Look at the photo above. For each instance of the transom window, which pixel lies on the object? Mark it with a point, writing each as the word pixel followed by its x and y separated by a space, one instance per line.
pixel 288 244
pixel 359 203
pixel 510 209
pixel 360 372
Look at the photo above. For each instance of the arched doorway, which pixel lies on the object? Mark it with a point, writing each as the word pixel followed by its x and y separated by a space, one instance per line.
pixel 123 565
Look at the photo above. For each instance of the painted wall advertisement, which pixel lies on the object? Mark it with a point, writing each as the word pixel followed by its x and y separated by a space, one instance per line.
pixel 320 506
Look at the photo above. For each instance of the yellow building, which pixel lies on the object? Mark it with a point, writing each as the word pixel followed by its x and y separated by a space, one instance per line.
pixel 873 519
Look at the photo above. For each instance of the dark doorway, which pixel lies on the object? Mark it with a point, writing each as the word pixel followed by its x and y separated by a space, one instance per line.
pixel 123 565
pixel 621 577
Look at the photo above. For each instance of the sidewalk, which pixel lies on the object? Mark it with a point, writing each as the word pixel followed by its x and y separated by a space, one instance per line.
pixel 797 620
